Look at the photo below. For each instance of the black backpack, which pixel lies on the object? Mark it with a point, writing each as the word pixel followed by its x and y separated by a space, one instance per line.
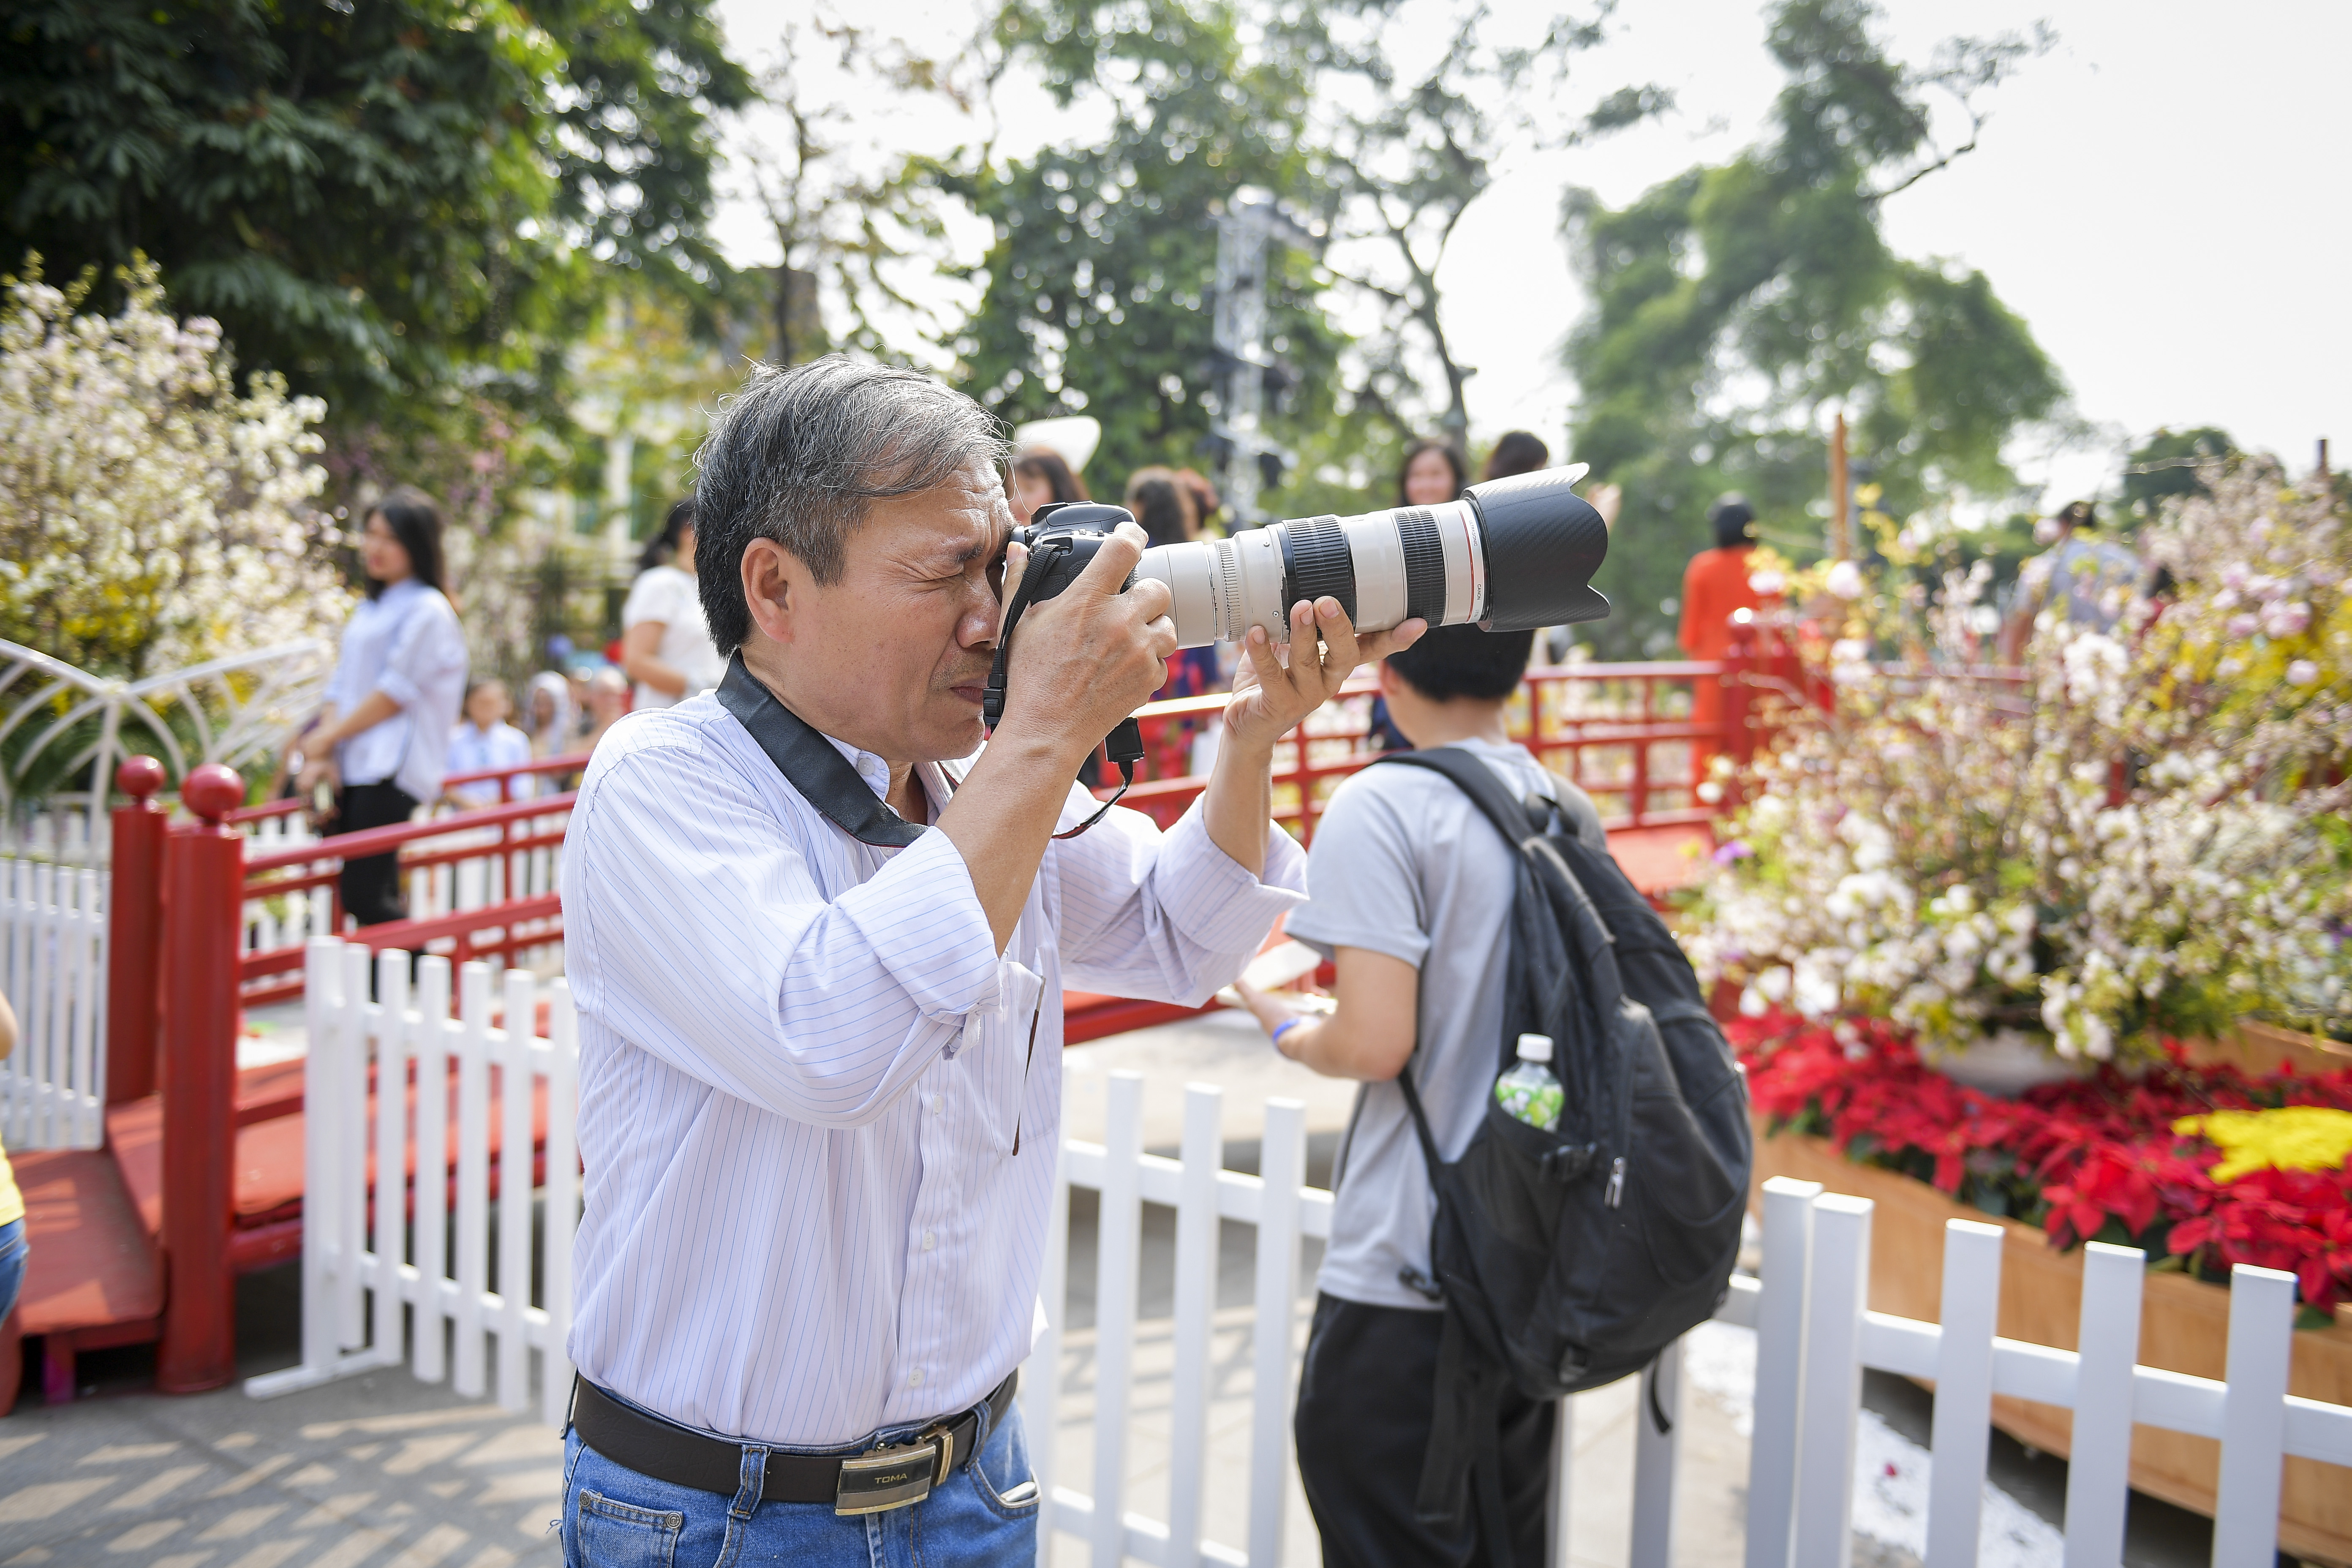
pixel 1569 1258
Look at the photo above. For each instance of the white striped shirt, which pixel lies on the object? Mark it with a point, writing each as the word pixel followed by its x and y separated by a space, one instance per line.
pixel 803 1068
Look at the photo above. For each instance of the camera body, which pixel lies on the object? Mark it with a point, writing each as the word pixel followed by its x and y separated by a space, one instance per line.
pixel 1082 526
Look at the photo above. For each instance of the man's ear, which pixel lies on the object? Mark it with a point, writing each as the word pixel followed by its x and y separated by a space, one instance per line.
pixel 773 586
pixel 1390 681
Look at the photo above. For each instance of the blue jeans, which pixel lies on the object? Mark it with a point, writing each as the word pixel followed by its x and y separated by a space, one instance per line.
pixel 12 1264
pixel 616 1518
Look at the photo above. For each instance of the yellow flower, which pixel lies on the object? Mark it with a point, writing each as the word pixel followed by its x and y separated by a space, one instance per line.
pixel 2297 1137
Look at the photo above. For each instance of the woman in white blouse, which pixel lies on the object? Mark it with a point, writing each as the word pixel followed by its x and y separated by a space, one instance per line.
pixel 381 740
pixel 664 642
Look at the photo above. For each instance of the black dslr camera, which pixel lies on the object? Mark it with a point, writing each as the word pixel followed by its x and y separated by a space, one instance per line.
pixel 1061 537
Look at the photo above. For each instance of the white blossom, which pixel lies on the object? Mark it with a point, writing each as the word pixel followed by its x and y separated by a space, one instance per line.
pixel 150 515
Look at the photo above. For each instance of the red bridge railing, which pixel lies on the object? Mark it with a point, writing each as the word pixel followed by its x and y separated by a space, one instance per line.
pixel 480 880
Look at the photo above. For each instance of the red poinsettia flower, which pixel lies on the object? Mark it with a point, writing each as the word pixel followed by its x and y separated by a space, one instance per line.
pixel 2091 1149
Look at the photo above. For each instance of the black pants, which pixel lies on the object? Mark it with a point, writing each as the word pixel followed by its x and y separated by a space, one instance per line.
pixel 1364 1407
pixel 372 884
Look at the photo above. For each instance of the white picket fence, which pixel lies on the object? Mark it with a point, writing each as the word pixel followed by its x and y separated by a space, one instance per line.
pixel 1815 1337
pixel 63 837
pixel 53 970
pixel 364 1264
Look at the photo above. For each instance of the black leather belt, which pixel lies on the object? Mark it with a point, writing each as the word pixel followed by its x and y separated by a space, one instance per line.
pixel 870 1482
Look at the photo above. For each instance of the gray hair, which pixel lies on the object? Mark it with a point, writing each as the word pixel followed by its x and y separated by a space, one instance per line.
pixel 799 453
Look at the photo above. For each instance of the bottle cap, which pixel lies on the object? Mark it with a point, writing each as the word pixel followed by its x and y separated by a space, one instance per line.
pixel 1534 1047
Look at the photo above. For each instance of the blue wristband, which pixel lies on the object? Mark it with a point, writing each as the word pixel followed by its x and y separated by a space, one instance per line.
pixel 1285 1024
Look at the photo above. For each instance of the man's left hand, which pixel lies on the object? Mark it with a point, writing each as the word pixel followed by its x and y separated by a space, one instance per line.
pixel 1271 697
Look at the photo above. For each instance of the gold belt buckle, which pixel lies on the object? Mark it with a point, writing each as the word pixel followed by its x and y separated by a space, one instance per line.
pixel 895 1477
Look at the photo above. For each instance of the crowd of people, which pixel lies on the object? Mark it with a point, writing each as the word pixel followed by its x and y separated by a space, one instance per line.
pixel 404 728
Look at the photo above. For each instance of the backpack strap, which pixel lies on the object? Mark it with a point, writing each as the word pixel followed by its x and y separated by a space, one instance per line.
pixel 1511 819
pixel 1476 780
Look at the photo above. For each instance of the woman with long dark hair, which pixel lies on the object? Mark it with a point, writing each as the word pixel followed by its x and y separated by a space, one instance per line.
pixel 1040 474
pixel 1432 473
pixel 666 645
pixel 381 741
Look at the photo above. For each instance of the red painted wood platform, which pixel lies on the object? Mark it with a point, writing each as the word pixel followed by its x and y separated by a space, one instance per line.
pixel 94 1278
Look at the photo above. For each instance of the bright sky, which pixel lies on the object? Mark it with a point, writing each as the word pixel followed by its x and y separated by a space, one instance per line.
pixel 2160 197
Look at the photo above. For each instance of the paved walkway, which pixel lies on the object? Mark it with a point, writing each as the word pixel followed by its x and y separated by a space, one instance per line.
pixel 378 1472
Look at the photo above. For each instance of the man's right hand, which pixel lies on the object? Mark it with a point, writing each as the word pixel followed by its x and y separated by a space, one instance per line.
pixel 1090 656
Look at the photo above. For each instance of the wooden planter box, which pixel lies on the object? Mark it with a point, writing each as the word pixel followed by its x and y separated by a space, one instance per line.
pixel 2184 1327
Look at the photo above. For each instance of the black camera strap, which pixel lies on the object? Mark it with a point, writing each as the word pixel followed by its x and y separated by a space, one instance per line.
pixel 811 765
pixel 1126 742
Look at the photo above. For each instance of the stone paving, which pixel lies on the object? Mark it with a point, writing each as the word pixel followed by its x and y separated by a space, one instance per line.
pixel 377 1472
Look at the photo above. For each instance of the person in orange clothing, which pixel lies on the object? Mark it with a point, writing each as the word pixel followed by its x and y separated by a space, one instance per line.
pixel 1715 583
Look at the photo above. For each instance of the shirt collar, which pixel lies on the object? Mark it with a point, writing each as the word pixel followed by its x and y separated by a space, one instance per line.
pixel 874 773
pixel 870 768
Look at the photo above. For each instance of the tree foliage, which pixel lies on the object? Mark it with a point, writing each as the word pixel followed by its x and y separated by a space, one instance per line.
pixel 1733 306
pixel 857 222
pixel 1098 287
pixel 1106 251
pixel 1405 147
pixel 372 199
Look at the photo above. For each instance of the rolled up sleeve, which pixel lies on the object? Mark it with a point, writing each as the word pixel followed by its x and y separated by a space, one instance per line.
pixel 1166 917
pixel 703 938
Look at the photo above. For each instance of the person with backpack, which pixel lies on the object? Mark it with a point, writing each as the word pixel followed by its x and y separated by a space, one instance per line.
pixel 1465 896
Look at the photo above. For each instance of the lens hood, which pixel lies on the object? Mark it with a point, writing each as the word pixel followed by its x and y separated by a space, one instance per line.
pixel 1543 544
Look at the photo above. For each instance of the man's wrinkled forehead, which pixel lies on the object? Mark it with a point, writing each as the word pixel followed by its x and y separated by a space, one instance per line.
pixel 963 518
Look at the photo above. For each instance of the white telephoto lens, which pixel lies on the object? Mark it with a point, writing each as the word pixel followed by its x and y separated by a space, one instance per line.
pixel 1438 562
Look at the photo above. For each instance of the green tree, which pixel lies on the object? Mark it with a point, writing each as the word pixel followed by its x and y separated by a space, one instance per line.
pixel 1110 247
pixel 373 199
pixel 856 222
pixel 1406 149
pixel 1097 287
pixel 1733 306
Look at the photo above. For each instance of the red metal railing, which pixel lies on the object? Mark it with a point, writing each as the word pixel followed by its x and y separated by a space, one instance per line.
pixel 1623 731
pixel 505 778
pixel 1601 725
pixel 1619 730
pixel 509 847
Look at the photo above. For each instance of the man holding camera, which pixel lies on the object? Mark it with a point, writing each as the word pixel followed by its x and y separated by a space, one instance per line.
pixel 819 969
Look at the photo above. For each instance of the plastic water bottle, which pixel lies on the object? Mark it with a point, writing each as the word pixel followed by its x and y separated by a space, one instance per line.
pixel 1528 1093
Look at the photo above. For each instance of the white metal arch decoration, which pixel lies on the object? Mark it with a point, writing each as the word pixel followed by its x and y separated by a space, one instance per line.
pixel 233 710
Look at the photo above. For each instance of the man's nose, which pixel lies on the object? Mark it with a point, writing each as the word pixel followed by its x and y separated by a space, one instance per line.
pixel 977 626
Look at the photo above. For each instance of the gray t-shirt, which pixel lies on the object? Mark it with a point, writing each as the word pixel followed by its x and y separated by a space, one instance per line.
pixel 1403 863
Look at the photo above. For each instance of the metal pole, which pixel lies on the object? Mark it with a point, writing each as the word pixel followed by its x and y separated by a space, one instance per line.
pixel 134 932
pixel 204 888
pixel 1240 331
pixel 1841 532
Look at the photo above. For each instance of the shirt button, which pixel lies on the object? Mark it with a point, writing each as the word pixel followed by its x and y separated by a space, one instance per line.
pixel 930 1241
pixel 938 1104
pixel 915 1378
